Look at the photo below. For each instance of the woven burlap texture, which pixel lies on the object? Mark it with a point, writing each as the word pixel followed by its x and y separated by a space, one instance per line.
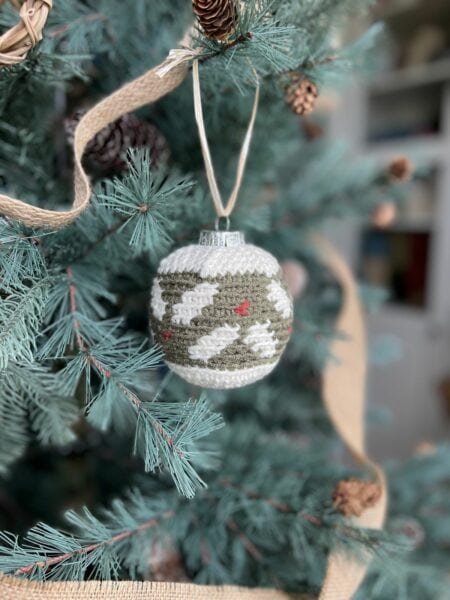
pixel 23 590
pixel 148 88
pixel 344 379
pixel 18 41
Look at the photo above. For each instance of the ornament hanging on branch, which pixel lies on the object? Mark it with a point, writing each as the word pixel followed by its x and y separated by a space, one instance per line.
pixel 221 311
pixel 107 152
pixel 218 18
pixel 301 95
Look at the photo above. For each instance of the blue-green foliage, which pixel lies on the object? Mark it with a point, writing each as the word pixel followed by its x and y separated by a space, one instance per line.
pixel 243 529
pixel 146 199
pixel 418 517
pixel 74 339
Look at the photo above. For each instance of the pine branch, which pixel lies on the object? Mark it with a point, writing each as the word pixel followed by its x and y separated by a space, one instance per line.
pixel 30 393
pixel 165 433
pixel 47 553
pixel 142 201
pixel 20 258
pixel 21 314
pixel 119 537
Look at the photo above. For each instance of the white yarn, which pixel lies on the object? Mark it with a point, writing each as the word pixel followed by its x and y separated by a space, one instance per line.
pixel 157 303
pixel 221 380
pixel 213 344
pixel 211 261
pixel 193 302
pixel 281 299
pixel 261 341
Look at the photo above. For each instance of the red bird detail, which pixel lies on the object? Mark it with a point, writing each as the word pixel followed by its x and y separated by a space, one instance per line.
pixel 242 309
pixel 167 335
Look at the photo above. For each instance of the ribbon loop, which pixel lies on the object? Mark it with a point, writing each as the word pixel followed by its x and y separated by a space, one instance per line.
pixel 221 209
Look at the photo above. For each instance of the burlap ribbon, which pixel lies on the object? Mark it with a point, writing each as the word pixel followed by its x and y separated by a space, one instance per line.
pixel 148 88
pixel 344 380
pixel 20 39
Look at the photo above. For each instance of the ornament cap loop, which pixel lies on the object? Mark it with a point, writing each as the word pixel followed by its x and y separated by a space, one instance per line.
pixel 221 239
pixel 218 221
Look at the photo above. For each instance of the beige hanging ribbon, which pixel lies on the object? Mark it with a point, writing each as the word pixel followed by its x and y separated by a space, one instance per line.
pixel 344 392
pixel 18 41
pixel 344 397
pixel 150 87
pixel 221 209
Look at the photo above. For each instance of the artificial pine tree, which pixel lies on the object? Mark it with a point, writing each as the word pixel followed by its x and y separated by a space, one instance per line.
pixel 247 487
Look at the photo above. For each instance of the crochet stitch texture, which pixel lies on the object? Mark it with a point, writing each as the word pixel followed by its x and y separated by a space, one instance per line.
pixel 223 315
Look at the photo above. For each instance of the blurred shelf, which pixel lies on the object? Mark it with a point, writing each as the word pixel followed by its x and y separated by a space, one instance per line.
pixel 400 312
pixel 392 81
pixel 396 9
pixel 412 226
pixel 403 12
pixel 430 150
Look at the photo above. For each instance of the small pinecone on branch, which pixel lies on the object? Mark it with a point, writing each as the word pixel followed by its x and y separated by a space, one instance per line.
pixel 166 563
pixel 301 95
pixel 400 169
pixel 354 496
pixel 107 152
pixel 312 130
pixel 218 18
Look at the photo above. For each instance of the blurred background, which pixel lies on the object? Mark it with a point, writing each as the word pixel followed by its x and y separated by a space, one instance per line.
pixel 405 110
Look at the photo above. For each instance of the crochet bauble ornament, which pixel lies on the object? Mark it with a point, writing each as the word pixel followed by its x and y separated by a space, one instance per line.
pixel 221 311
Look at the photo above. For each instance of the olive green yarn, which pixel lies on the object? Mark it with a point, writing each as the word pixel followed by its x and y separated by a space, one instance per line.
pixel 232 291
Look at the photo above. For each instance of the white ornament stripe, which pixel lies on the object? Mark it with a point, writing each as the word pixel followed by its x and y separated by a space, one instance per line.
pixel 261 341
pixel 193 302
pixel 214 343
pixel 157 303
pixel 221 380
pixel 215 262
pixel 282 301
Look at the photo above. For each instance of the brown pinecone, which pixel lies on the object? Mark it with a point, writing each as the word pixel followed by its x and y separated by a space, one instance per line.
pixel 218 18
pixel 354 496
pixel 301 95
pixel 312 130
pixel 166 563
pixel 108 150
pixel 400 169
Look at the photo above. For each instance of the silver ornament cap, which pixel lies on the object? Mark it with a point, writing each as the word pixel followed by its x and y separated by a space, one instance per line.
pixel 221 239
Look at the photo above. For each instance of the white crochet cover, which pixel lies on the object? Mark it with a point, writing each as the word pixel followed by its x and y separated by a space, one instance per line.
pixel 222 314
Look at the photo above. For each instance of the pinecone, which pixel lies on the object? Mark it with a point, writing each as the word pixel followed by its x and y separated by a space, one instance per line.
pixel 218 18
pixel 400 169
pixel 166 563
pixel 108 150
pixel 354 496
pixel 312 130
pixel 301 95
